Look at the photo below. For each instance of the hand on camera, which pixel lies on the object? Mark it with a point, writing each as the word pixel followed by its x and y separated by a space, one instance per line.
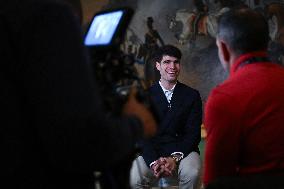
pixel 134 107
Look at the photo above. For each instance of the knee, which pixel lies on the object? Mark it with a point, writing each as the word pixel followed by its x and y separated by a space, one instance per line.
pixel 139 174
pixel 133 181
pixel 190 167
pixel 139 182
pixel 189 174
pixel 135 177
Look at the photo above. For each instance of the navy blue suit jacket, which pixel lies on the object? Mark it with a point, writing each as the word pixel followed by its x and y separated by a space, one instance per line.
pixel 179 125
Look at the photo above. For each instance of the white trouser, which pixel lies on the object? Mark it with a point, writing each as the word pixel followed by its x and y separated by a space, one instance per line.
pixel 188 173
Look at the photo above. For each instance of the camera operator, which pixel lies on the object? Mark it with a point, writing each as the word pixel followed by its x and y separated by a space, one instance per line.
pixel 55 132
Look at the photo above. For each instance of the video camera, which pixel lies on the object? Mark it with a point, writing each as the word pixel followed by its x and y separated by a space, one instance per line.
pixel 116 74
pixel 115 71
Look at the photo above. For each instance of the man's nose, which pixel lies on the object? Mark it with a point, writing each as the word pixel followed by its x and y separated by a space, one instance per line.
pixel 172 65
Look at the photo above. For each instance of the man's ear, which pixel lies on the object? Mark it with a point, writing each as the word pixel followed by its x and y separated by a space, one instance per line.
pixel 158 66
pixel 225 54
pixel 225 51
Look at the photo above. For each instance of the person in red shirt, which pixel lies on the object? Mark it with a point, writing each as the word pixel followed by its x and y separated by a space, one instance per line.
pixel 244 115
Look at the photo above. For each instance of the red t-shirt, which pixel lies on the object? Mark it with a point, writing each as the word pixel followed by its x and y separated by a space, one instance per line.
pixel 244 120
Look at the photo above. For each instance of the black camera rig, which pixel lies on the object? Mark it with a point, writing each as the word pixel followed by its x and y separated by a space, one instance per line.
pixel 115 71
pixel 116 75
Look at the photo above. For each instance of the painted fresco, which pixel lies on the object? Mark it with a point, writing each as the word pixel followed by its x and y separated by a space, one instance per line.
pixel 191 26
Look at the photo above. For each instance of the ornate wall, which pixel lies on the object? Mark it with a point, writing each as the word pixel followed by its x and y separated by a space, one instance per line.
pixel 191 26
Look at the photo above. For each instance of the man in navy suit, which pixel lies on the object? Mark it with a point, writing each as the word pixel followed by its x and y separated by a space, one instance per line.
pixel 174 149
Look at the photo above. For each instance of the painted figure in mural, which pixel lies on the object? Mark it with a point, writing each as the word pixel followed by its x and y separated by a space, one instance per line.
pixel 275 16
pixel 190 28
pixel 201 10
pixel 202 20
pixel 174 150
pixel 276 48
pixel 274 13
pixel 246 112
pixel 196 23
pixel 153 41
pixel 131 45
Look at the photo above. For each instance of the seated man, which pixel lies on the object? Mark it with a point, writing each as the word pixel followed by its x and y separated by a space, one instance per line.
pixel 174 150
pixel 245 113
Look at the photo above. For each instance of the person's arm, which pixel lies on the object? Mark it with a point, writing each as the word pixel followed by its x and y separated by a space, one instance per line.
pixel 158 36
pixel 223 137
pixel 192 130
pixel 148 152
pixel 63 97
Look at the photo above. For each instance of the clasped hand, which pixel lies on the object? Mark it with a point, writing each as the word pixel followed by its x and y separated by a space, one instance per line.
pixel 164 167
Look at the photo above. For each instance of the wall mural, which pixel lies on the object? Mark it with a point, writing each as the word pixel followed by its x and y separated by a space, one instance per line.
pixel 191 26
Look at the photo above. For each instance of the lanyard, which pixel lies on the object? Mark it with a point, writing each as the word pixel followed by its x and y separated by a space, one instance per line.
pixel 254 60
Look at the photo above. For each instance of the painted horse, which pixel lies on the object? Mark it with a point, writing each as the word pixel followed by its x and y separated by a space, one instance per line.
pixel 194 24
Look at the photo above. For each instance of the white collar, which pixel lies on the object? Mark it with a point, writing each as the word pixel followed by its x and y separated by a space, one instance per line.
pixel 164 89
pixel 168 93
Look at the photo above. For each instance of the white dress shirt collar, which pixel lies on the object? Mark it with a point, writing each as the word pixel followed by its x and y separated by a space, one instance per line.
pixel 168 93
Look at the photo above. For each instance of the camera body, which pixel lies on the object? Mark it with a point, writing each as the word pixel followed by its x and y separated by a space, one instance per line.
pixel 116 75
pixel 114 70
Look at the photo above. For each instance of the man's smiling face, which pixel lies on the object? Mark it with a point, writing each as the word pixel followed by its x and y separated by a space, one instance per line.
pixel 169 68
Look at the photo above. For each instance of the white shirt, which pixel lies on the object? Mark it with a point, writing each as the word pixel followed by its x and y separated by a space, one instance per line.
pixel 168 93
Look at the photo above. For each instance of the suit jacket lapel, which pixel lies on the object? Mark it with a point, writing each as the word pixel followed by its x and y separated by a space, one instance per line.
pixel 176 102
pixel 166 115
pixel 160 100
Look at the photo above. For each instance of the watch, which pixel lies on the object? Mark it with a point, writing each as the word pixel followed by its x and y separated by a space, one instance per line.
pixel 176 158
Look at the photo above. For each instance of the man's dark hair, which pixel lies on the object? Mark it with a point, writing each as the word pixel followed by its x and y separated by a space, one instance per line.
pixel 169 50
pixel 244 30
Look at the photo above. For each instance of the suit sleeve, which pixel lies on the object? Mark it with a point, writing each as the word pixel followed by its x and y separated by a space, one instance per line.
pixel 63 97
pixel 149 154
pixel 192 131
pixel 223 135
